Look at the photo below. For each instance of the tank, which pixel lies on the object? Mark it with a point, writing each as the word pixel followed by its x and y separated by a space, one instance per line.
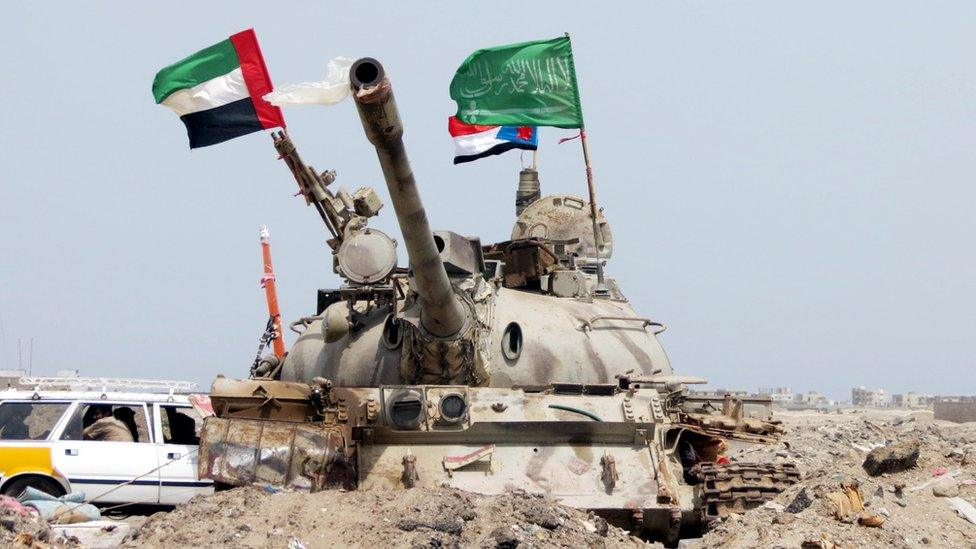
pixel 484 367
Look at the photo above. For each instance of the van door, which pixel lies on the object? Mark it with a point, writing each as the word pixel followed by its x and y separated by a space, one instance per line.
pixel 178 429
pixel 121 467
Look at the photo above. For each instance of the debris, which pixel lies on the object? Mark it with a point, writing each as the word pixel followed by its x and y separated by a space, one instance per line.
pixel 933 481
pixel 894 457
pixel 822 543
pixel 95 534
pixel 939 471
pixel 964 508
pixel 871 521
pixel 7 502
pixel 784 518
pixel 504 538
pixel 67 509
pixel 800 502
pixel 946 489
pixel 774 506
pixel 376 518
pixel 849 503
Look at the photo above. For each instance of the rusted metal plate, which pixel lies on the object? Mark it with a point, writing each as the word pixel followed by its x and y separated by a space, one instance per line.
pixel 300 456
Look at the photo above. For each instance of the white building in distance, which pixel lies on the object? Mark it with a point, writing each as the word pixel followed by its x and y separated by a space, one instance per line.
pixel 781 395
pixel 870 398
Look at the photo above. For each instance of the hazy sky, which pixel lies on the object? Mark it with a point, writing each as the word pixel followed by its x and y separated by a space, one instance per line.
pixel 791 188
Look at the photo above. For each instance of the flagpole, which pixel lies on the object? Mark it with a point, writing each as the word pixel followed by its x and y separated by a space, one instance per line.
pixel 601 288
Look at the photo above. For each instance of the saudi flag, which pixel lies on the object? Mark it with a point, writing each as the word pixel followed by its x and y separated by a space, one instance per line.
pixel 217 92
pixel 526 84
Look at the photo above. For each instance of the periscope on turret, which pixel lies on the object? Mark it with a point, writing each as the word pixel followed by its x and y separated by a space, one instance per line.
pixel 488 368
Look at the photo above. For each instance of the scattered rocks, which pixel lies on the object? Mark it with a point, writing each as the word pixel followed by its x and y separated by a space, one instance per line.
pixel 892 458
pixel 801 501
pixel 504 538
pixel 946 489
pixel 420 517
pixel 784 518
pixel 541 515
pixel 899 509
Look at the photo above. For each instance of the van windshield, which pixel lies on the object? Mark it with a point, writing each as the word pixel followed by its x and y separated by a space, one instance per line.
pixel 29 420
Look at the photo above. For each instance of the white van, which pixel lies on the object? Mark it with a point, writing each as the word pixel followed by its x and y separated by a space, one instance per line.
pixel 42 445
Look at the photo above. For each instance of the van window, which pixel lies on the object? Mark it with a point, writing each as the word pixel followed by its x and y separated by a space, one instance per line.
pixel 181 425
pixel 29 420
pixel 109 422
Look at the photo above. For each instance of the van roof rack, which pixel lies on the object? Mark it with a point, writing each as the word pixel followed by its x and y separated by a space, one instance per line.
pixel 105 384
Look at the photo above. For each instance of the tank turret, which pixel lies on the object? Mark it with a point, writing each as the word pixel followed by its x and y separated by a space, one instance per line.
pixel 520 313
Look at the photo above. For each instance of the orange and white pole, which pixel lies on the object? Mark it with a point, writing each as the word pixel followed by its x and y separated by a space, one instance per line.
pixel 271 292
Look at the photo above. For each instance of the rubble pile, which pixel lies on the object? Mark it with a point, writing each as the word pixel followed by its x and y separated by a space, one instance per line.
pixel 870 479
pixel 259 517
pixel 21 528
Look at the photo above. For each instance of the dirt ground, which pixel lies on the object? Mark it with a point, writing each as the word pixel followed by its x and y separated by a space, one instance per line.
pixel 251 517
pixel 829 449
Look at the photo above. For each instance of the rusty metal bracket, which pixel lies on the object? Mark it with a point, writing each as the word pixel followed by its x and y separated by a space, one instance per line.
pixel 410 476
pixel 609 475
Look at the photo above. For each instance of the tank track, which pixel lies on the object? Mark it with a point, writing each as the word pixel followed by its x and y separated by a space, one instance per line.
pixel 738 487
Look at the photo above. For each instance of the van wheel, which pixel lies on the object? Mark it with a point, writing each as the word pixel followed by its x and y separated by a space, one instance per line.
pixel 16 487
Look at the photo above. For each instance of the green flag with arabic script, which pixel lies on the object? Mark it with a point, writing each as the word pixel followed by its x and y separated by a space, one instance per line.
pixel 527 84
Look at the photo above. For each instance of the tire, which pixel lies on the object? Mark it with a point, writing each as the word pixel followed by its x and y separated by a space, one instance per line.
pixel 16 487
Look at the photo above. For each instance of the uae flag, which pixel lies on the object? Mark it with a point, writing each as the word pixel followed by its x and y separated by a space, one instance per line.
pixel 217 92
pixel 472 142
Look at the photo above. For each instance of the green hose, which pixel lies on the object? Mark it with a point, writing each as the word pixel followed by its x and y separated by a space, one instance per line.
pixel 580 411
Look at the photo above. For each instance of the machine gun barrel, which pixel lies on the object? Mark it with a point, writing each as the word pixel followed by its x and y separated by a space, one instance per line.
pixel 441 311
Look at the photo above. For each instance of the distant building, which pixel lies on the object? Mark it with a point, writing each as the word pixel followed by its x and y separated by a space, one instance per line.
pixel 911 399
pixel 780 395
pixel 960 409
pixel 811 399
pixel 731 392
pixel 870 398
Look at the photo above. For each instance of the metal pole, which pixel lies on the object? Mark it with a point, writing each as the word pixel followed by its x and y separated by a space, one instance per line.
pixel 601 288
pixel 271 292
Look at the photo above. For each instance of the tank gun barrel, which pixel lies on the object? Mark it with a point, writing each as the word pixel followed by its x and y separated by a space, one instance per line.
pixel 441 311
